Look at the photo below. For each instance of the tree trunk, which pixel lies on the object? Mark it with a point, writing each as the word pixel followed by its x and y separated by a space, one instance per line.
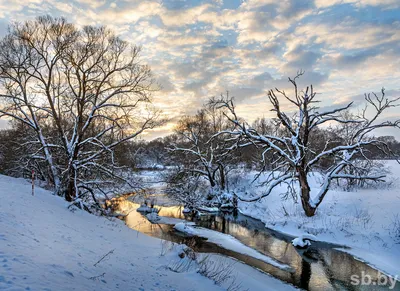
pixel 222 176
pixel 49 159
pixel 70 192
pixel 305 194
pixel 211 178
pixel 212 183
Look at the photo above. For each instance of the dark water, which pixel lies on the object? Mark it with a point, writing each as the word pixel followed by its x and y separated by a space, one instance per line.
pixel 320 267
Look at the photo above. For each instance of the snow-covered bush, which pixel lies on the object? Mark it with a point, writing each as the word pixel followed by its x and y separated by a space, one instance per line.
pixel 194 192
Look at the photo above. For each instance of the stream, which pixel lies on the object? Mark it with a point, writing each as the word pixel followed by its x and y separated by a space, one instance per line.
pixel 319 267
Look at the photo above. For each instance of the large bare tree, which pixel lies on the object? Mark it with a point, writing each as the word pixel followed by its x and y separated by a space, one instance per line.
pixel 83 92
pixel 293 150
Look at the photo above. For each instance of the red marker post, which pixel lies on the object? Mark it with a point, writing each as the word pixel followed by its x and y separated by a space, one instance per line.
pixel 33 182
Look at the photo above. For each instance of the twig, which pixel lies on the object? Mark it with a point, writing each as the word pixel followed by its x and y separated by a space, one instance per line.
pixel 109 253
pixel 97 277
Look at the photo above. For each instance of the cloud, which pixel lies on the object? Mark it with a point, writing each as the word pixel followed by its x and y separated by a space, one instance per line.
pixel 359 3
pixel 166 84
pixel 300 58
pixel 179 17
pixel 201 48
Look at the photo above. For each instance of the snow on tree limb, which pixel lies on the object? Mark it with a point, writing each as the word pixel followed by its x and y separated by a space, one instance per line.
pixel 294 148
pixel 84 92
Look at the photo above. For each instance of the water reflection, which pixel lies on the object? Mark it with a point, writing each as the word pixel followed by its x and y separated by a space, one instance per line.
pixel 318 268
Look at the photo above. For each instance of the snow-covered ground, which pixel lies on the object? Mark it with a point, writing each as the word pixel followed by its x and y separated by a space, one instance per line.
pixel 366 220
pixel 227 242
pixel 45 246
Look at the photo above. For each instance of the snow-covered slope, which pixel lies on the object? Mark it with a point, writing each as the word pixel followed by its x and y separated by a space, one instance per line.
pixel 45 246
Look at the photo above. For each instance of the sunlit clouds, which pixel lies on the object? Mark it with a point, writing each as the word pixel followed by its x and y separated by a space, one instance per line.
pixel 198 49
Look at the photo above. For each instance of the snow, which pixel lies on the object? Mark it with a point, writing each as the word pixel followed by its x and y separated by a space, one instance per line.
pixel 208 209
pixel 363 220
pixel 228 242
pixel 185 228
pixel 147 209
pixel 247 278
pixel 153 217
pixel 46 246
pixel 173 221
pixel 303 240
pixel 300 242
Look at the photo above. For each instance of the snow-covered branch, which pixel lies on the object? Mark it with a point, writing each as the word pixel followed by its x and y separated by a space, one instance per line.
pixel 83 91
pixel 297 152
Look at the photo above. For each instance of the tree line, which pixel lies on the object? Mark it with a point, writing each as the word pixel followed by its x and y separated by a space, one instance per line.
pixel 80 98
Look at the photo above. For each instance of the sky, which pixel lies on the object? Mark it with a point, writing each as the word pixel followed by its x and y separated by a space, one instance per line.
pixel 199 49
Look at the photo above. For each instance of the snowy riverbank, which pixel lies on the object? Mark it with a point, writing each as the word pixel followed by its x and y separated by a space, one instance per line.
pixel 45 246
pixel 366 220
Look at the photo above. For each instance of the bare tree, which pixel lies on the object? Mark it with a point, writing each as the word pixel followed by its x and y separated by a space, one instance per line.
pixel 83 92
pixel 293 151
pixel 186 189
pixel 202 154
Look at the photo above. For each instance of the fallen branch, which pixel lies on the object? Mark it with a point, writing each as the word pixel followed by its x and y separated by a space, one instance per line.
pixel 109 253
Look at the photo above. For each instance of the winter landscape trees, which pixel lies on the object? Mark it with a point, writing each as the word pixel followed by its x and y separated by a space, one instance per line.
pixel 294 151
pixel 79 93
pixel 305 140
pixel 161 145
pixel 201 155
pixel 77 98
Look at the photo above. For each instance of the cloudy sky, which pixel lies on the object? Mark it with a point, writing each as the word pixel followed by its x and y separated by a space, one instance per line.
pixel 198 49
